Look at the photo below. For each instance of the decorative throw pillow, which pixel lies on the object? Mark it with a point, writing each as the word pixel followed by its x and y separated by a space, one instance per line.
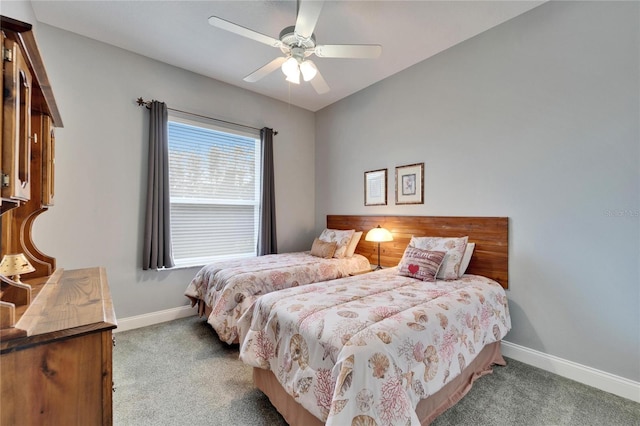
pixel 454 247
pixel 420 264
pixel 351 248
pixel 466 258
pixel 340 237
pixel 323 249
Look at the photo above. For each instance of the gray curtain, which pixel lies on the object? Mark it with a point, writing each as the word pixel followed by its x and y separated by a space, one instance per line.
pixel 157 230
pixel 267 243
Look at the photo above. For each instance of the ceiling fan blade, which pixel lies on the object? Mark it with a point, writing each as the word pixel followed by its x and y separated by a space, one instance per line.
pixel 357 51
pixel 245 32
pixel 267 69
pixel 318 83
pixel 308 13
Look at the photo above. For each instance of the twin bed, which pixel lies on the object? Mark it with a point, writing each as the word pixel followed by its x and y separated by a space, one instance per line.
pixel 382 347
pixel 225 290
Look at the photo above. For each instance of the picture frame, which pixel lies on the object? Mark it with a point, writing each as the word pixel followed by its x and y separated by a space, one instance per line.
pixel 375 187
pixel 410 184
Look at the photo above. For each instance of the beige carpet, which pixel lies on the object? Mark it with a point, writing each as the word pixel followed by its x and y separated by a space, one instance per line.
pixel 179 373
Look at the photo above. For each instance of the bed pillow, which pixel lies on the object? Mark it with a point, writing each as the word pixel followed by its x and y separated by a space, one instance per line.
pixel 421 264
pixel 466 258
pixel 454 247
pixel 351 248
pixel 340 237
pixel 323 249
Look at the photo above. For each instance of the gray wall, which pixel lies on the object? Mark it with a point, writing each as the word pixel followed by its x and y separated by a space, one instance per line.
pixel 537 120
pixel 101 160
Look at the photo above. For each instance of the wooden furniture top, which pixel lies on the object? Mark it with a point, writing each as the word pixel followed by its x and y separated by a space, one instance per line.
pixel 491 235
pixel 71 303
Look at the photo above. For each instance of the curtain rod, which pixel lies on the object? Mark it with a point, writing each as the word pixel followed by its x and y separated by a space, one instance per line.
pixel 142 102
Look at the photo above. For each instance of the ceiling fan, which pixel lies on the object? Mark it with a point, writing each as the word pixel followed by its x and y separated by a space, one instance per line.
pixel 297 43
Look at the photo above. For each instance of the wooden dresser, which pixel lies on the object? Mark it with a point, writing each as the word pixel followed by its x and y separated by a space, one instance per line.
pixel 56 363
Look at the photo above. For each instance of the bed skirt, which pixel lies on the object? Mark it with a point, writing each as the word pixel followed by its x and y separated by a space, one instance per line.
pixel 428 409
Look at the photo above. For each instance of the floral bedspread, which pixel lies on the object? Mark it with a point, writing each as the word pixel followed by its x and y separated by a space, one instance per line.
pixel 230 287
pixel 365 349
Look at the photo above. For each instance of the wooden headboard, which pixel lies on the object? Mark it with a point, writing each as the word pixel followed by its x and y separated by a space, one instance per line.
pixel 491 235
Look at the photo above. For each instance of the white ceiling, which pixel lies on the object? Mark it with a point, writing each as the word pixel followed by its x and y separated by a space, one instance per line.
pixel 177 33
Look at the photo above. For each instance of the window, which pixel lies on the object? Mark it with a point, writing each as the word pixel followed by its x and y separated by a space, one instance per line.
pixel 214 181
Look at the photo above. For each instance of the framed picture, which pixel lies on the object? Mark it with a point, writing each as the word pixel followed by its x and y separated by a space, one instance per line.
pixel 375 188
pixel 410 184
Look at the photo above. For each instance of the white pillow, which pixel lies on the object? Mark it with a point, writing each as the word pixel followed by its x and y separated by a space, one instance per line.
pixel 340 237
pixel 351 248
pixel 466 258
pixel 454 247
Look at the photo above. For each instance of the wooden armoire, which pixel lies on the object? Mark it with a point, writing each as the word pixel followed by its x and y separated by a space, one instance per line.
pixel 55 325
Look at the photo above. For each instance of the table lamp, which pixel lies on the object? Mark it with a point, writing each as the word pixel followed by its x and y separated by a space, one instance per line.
pixel 15 265
pixel 379 235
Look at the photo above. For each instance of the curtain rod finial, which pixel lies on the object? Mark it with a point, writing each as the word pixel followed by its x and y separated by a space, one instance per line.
pixel 142 102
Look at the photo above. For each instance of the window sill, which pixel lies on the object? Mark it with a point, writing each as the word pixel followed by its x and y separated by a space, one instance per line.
pixel 200 262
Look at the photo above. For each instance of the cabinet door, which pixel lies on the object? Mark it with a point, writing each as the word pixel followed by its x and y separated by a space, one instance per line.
pixel 16 131
pixel 48 161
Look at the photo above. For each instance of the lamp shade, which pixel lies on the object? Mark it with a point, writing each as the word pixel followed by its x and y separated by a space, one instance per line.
pixel 294 77
pixel 14 265
pixel 289 66
pixel 308 70
pixel 379 235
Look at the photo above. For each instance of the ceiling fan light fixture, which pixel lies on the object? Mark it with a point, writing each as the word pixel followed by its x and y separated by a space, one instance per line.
pixel 308 69
pixel 290 67
pixel 294 78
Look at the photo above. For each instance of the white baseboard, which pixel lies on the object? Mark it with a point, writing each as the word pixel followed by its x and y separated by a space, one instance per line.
pixel 152 318
pixel 580 373
pixel 589 376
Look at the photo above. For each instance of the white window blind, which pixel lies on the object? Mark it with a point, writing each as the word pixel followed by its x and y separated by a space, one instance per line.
pixel 214 179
